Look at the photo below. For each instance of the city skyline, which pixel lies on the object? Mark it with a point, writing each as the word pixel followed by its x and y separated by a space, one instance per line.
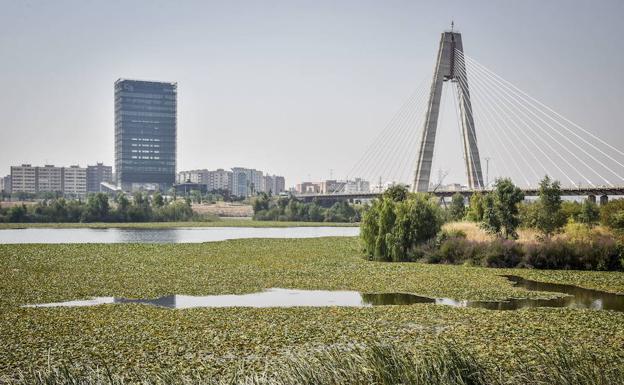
pixel 254 80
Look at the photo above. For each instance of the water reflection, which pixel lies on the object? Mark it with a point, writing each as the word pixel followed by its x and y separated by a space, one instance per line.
pixel 577 298
pixel 381 299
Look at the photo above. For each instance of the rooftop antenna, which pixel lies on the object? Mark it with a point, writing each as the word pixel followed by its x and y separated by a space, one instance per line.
pixel 452 25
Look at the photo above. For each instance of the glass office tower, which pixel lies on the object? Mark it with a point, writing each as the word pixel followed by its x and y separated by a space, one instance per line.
pixel 145 134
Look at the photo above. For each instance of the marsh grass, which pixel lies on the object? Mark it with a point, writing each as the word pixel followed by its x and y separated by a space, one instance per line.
pixel 475 233
pixel 572 231
pixel 375 364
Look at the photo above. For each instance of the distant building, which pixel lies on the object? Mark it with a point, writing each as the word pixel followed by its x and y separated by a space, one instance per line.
pixel 219 180
pixel 240 181
pixel 274 184
pixel 308 188
pixel 96 175
pixel 69 181
pixel 331 187
pixel 279 183
pixel 247 181
pixel 191 176
pixel 449 187
pixel 214 180
pixel 5 184
pixel 145 134
pixel 75 181
pixel 356 186
pixel 24 179
pixel 49 178
pixel 187 187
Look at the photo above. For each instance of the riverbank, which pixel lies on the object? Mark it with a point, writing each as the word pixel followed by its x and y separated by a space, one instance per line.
pixel 127 337
pixel 223 222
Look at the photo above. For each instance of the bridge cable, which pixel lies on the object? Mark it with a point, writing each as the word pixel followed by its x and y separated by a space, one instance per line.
pixel 380 162
pixel 381 141
pixel 510 98
pixel 478 80
pixel 565 137
pixel 535 101
pixel 488 119
pixel 383 136
pixel 461 136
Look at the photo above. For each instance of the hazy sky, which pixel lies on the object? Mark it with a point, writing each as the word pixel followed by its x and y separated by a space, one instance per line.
pixel 291 87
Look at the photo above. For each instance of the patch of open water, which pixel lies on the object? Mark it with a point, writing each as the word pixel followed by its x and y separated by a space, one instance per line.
pixel 168 235
pixel 575 297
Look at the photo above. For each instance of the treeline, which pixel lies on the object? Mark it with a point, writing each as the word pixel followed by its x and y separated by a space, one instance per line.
pixel 100 208
pixel 408 227
pixel 270 208
pixel 504 208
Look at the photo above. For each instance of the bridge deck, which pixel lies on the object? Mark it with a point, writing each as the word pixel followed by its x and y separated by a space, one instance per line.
pixel 583 191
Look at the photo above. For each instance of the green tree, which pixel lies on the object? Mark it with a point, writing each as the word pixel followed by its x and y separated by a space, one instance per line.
pixel 391 229
pixel 611 213
pixel 97 208
pixel 500 209
pixel 571 210
pixel 261 202
pixel 340 212
pixel 397 193
pixel 475 208
pixel 196 196
pixel 589 214
pixel 490 220
pixel 457 209
pixel 550 217
pixel 157 199
pixel 17 213
pixel 123 205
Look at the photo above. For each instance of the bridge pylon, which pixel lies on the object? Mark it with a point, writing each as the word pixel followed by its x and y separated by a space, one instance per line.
pixel 449 68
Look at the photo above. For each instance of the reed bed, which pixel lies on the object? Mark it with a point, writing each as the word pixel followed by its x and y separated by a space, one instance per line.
pixel 375 364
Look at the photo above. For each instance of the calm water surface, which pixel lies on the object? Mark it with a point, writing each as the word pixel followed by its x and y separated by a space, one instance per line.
pixel 172 235
pixel 576 298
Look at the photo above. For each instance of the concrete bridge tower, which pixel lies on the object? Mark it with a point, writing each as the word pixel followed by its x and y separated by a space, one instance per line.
pixel 448 68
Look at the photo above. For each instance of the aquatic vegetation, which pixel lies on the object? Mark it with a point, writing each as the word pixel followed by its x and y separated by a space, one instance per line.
pixel 128 338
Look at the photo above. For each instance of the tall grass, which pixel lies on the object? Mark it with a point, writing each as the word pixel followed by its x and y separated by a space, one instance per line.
pixel 475 233
pixel 376 364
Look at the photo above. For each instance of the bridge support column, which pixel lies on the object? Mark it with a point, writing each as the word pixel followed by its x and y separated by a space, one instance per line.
pixel 448 67
pixel 604 199
pixel 591 198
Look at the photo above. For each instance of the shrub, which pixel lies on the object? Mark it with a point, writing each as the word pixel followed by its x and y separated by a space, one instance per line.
pixel 457 209
pixel 612 214
pixel 392 229
pixel 457 250
pixel 502 253
pixel 597 252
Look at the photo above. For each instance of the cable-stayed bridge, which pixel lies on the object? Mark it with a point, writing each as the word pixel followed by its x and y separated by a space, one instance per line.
pixel 496 120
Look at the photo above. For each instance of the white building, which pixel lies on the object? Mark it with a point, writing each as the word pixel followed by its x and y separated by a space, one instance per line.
pixel 24 179
pixel 49 179
pixel 247 181
pixel 274 184
pixel 356 186
pixel 214 180
pixel 75 181
pixel 218 180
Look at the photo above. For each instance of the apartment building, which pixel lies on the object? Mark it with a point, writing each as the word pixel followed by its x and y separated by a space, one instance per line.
pixel 24 179
pixel 75 181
